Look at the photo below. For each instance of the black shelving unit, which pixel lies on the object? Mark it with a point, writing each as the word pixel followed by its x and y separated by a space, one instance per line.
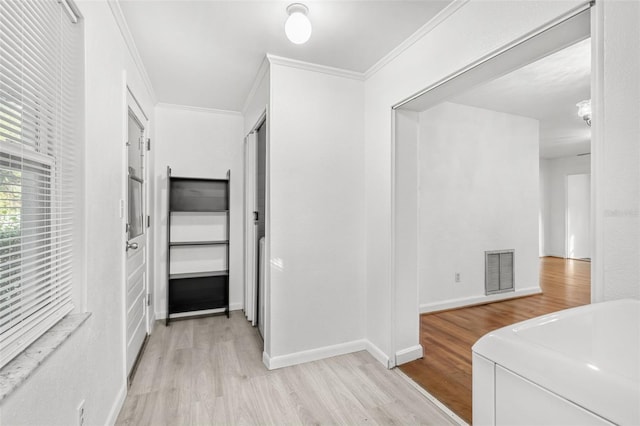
pixel 196 291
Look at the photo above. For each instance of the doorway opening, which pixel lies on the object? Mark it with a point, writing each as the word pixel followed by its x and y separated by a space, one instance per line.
pixel 255 225
pixel 472 161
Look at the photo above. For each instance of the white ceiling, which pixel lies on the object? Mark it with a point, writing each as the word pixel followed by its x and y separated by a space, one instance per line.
pixel 548 91
pixel 206 53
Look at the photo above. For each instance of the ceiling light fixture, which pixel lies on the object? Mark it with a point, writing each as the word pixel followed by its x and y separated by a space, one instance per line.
pixel 584 110
pixel 298 26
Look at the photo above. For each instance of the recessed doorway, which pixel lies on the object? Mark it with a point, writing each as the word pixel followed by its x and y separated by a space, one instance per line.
pixel 474 157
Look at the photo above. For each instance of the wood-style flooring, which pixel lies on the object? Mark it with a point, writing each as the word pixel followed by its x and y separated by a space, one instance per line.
pixel 447 337
pixel 209 371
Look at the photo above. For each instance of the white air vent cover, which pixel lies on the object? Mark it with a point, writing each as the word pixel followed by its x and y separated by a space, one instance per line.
pixel 498 271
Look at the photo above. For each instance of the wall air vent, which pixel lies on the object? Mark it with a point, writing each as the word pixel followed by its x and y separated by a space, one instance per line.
pixel 498 271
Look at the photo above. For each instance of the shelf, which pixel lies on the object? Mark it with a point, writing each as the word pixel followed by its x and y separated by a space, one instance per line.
pixel 198 243
pixel 199 179
pixel 197 294
pixel 206 274
pixel 199 211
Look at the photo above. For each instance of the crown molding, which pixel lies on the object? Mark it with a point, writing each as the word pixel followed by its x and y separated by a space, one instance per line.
pixel 413 38
pixel 114 5
pixel 257 81
pixel 308 66
pixel 199 109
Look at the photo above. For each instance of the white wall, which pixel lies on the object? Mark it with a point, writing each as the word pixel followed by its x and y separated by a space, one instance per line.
pixel 258 98
pixel 315 225
pixel 406 171
pixel 90 365
pixel 478 192
pixel 554 173
pixel 474 30
pixel 616 152
pixel 579 216
pixel 199 143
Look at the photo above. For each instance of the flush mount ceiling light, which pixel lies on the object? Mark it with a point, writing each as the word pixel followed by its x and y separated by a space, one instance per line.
pixel 298 26
pixel 584 111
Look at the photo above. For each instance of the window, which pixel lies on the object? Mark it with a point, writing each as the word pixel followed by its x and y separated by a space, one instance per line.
pixel 40 70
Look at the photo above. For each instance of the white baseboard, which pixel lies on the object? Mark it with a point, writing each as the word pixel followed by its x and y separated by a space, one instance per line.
pixel 117 406
pixel 377 353
pixel 327 352
pixel 476 300
pixel 409 354
pixel 313 354
pixel 232 307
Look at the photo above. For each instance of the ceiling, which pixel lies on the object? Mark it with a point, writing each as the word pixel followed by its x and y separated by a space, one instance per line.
pixel 207 53
pixel 548 91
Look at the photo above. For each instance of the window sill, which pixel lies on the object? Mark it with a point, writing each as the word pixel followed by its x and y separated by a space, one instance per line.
pixel 21 367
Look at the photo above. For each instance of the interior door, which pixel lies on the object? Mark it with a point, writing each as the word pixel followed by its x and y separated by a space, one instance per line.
pixel 136 268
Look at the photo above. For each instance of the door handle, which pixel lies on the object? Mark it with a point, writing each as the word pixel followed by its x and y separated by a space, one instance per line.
pixel 133 246
pixel 255 216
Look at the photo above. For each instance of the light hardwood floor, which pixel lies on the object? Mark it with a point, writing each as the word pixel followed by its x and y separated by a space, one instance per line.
pixel 447 337
pixel 209 371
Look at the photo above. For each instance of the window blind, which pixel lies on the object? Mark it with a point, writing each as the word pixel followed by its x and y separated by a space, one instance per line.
pixel 40 68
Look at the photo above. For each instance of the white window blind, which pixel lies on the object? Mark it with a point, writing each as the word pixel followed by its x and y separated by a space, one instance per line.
pixel 40 67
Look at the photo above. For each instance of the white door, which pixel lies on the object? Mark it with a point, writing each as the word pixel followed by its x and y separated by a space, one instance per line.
pixel 250 231
pixel 136 268
pixel 578 216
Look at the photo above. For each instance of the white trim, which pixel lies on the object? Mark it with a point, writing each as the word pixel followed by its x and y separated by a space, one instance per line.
pixel 136 107
pixel 443 15
pixel 313 354
pixel 266 326
pixel 328 352
pixel 257 81
pixel 308 66
pixel 377 353
pixel 121 144
pixel 409 354
pixel 198 109
pixel 431 398
pixel 393 288
pixel 117 406
pixel 114 5
pixel 597 152
pixel 476 300
pixel 566 216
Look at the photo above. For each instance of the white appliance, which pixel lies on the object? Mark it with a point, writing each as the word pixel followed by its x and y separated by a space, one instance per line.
pixel 579 366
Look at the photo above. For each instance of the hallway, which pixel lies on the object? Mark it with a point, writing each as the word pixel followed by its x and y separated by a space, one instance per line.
pixel 447 336
pixel 209 371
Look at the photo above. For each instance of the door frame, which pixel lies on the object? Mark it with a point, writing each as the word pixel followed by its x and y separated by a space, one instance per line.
pixel 250 290
pixel 440 90
pixel 251 245
pixel 131 103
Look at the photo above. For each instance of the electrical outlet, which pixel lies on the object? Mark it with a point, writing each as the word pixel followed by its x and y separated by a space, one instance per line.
pixel 457 277
pixel 81 413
